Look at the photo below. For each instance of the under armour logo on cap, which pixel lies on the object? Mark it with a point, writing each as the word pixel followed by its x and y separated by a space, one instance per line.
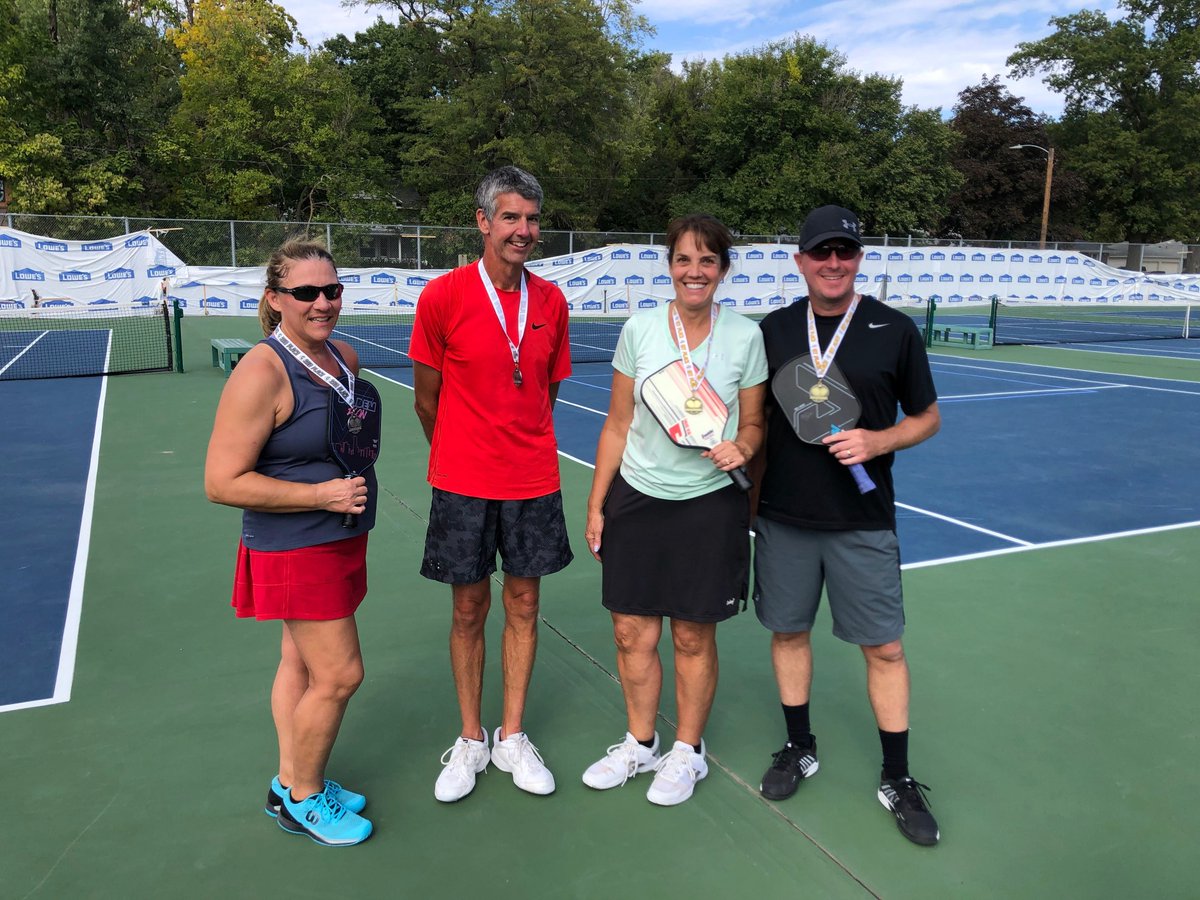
pixel 826 223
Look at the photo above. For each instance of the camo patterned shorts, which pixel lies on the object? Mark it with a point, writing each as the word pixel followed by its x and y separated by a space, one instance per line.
pixel 465 532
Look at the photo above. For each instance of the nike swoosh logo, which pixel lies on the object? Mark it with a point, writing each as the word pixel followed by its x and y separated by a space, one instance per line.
pixel 536 327
pixel 869 324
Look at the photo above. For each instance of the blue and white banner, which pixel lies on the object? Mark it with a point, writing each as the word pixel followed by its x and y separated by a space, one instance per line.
pixel 36 271
pixel 617 280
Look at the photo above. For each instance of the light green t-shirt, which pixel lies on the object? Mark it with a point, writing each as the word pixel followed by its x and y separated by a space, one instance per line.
pixel 651 463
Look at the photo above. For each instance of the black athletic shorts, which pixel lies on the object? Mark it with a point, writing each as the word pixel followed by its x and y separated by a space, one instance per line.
pixel 465 532
pixel 684 559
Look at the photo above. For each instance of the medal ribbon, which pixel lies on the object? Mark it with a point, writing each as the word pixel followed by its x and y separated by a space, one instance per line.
pixel 694 375
pixel 522 312
pixel 347 394
pixel 822 361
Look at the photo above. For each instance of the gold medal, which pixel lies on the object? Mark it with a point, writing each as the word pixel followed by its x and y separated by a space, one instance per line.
pixel 819 392
pixel 692 405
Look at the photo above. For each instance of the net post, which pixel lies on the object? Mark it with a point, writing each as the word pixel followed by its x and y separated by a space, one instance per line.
pixel 929 314
pixel 994 314
pixel 178 334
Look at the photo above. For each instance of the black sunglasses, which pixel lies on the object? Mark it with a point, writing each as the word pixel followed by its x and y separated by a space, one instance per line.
pixel 845 252
pixel 307 293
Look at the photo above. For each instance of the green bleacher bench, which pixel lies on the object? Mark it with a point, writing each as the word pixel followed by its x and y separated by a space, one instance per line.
pixel 972 337
pixel 227 351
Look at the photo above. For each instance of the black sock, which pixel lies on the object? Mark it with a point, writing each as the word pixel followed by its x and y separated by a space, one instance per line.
pixel 697 747
pixel 649 745
pixel 895 753
pixel 799 731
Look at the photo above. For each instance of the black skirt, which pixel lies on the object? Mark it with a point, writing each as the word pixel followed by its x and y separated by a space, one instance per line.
pixel 684 559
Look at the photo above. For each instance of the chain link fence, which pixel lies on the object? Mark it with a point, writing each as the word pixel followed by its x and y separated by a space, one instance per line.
pixel 221 242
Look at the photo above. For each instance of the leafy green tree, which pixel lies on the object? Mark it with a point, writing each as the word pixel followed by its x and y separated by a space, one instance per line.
pixel 1130 123
pixel 543 84
pixel 787 128
pixel 264 132
pixel 85 88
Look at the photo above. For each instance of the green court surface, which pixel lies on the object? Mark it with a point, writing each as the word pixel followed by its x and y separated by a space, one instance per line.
pixel 1053 716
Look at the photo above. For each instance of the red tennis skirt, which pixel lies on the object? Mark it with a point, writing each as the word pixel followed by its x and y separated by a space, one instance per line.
pixel 327 581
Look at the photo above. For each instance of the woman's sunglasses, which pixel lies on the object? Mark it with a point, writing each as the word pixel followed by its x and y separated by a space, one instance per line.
pixel 307 293
pixel 845 252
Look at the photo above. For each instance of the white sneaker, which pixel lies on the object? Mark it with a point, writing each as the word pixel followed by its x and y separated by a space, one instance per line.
pixel 460 765
pixel 516 754
pixel 621 762
pixel 677 774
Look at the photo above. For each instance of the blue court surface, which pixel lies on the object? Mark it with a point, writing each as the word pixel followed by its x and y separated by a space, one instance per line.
pixel 46 495
pixel 1028 455
pixel 37 352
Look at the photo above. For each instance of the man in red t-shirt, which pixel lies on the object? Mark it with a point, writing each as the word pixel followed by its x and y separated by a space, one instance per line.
pixel 489 348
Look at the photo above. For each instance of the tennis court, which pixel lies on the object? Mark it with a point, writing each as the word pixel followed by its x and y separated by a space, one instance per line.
pixel 1051 532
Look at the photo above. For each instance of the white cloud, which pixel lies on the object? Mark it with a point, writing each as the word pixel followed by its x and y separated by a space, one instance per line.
pixel 319 20
pixel 937 47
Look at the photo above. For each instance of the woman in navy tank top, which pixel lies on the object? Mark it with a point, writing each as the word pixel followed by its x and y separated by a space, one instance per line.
pixel 269 455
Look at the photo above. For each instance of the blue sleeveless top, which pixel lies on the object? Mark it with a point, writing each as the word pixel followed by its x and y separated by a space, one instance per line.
pixel 298 450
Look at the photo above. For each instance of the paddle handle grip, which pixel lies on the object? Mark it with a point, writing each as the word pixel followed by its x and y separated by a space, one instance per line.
pixel 862 479
pixel 742 480
pixel 349 520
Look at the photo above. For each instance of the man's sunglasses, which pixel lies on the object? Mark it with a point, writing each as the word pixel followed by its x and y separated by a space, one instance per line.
pixel 307 293
pixel 845 252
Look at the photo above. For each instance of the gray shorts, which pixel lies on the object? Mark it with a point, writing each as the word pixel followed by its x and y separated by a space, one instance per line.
pixel 859 569
pixel 465 533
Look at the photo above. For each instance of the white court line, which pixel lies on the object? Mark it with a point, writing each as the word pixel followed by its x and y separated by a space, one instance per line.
pixel 581 406
pixel 70 640
pixel 1126 350
pixel 28 347
pixel 1148 387
pixel 362 340
pixel 961 523
pixel 1053 392
pixel 1003 551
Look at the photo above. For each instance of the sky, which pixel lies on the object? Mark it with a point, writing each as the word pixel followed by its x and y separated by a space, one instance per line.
pixel 937 47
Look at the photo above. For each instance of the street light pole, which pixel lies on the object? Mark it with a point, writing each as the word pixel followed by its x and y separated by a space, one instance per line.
pixel 1046 195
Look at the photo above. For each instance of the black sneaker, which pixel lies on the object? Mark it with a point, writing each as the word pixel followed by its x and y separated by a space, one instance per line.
pixel 791 764
pixel 906 799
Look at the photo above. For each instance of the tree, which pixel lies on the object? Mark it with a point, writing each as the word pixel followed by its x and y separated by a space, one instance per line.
pixel 543 84
pixel 85 88
pixel 1002 188
pixel 262 132
pixel 1130 124
pixel 787 128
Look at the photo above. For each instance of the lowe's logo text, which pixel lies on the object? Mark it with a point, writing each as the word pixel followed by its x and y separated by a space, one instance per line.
pixel 97 247
pixel 74 275
pixel 28 275
pixel 118 274
pixel 51 246
pixel 160 271
pixel 140 241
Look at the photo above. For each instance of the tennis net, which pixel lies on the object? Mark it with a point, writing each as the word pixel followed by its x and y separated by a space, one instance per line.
pixel 1040 322
pixel 52 341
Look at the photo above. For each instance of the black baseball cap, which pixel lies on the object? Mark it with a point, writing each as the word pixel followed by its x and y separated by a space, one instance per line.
pixel 827 222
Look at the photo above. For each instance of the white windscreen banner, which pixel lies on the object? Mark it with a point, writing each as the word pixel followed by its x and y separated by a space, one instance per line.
pixel 130 269
pixel 617 280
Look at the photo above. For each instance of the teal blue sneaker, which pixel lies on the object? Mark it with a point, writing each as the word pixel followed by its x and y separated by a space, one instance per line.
pixel 356 803
pixel 323 819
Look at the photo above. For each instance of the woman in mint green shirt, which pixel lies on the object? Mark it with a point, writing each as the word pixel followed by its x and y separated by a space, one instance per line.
pixel 670 529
